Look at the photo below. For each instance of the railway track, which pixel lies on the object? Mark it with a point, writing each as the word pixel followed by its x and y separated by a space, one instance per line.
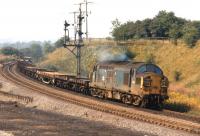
pixel 25 99
pixel 9 73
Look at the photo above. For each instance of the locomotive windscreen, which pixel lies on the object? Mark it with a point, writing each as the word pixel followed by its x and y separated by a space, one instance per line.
pixel 149 68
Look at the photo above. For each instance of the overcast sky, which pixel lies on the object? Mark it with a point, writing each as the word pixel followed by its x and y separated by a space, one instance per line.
pixel 26 20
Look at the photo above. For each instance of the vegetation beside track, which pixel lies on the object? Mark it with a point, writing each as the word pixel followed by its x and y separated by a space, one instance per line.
pixel 6 58
pixel 179 63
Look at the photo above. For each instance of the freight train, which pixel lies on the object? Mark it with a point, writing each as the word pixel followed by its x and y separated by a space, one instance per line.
pixel 137 83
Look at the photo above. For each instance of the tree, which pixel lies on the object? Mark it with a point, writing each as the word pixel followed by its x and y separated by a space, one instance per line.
pixel 36 51
pixel 116 23
pixel 59 43
pixel 196 24
pixel 146 24
pixel 190 35
pixel 26 52
pixel 175 32
pixel 163 25
pixel 10 51
pixel 48 48
pixel 116 29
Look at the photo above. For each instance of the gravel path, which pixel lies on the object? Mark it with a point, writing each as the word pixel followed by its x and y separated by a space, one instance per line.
pixel 107 122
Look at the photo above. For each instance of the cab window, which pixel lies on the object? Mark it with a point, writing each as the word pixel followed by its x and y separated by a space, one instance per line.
pixel 142 69
pixel 149 68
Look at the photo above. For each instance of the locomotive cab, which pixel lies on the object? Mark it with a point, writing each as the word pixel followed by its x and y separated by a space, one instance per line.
pixel 149 82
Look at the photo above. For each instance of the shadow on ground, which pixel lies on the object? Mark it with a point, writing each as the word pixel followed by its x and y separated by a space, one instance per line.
pixel 20 121
pixel 178 107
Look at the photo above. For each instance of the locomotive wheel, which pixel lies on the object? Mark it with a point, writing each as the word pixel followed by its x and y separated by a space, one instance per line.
pixel 127 99
pixel 137 101
pixel 93 93
pixel 102 94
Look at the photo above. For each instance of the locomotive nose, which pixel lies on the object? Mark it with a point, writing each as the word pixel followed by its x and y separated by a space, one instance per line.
pixel 151 83
pixel 155 86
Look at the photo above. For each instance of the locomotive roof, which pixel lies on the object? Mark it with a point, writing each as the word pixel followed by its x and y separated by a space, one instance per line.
pixel 124 64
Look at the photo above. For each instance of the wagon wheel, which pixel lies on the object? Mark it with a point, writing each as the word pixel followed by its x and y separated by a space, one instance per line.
pixel 93 92
pixel 137 100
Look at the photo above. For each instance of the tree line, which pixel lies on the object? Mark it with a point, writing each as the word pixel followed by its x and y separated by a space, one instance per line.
pixel 35 50
pixel 163 25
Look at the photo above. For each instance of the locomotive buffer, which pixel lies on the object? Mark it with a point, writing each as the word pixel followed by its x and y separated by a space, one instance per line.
pixel 78 43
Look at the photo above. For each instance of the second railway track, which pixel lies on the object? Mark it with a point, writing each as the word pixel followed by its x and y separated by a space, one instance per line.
pixel 9 72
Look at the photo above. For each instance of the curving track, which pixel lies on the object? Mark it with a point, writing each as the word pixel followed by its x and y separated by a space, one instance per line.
pixel 153 117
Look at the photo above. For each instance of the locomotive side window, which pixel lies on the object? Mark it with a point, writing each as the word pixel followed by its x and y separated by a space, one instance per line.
pixel 138 81
pixel 119 78
pixel 126 78
pixel 101 75
pixel 109 76
pixel 122 78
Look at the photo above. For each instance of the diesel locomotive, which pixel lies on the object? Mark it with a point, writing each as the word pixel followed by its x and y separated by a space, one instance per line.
pixel 137 83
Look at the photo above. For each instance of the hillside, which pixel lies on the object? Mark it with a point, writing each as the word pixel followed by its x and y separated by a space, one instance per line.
pixel 171 58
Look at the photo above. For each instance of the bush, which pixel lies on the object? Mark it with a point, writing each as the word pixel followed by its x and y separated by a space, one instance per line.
pixel 10 51
pixel 109 38
pixel 59 43
pixel 7 60
pixel 177 75
pixel 181 102
pixel 190 35
pixel 178 107
pixel 48 48
pixel 51 67
pixel 130 54
pixel 150 59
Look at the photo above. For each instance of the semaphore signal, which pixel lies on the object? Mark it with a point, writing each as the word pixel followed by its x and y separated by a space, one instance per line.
pixel 78 39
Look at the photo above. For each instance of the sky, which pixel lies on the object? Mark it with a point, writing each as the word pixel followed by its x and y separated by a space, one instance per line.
pixel 42 20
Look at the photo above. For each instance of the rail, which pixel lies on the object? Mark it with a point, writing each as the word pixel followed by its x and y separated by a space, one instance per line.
pixel 9 73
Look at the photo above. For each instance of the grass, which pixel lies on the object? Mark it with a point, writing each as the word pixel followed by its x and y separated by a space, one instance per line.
pixel 66 62
pixel 4 58
pixel 168 56
pixel 183 103
pixel 99 41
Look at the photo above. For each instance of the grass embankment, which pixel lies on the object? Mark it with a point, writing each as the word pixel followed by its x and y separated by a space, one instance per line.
pixel 171 58
pixel 183 103
pixel 4 58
